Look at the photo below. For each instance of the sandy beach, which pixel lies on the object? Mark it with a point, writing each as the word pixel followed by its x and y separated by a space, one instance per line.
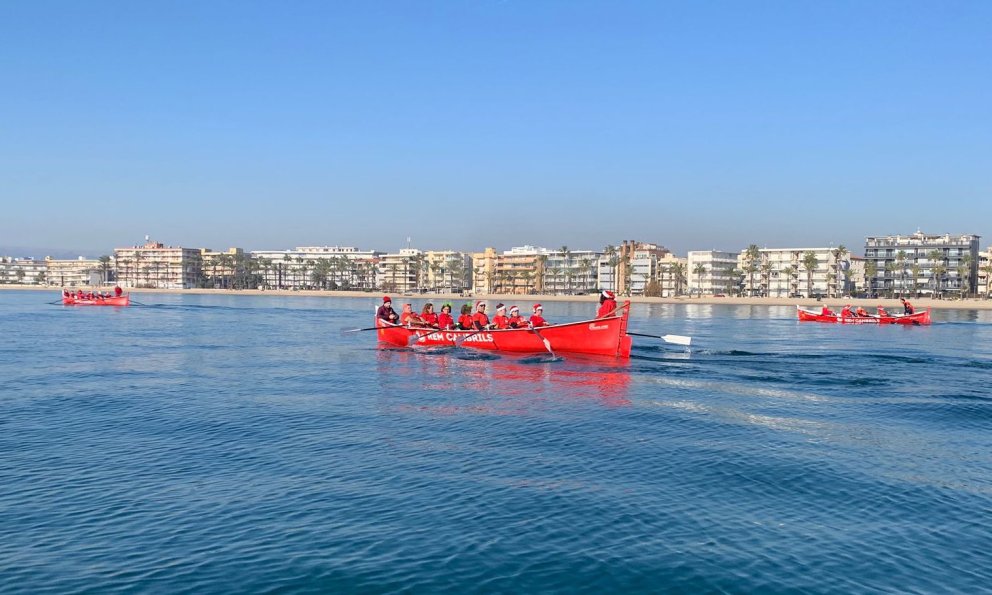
pixel 889 304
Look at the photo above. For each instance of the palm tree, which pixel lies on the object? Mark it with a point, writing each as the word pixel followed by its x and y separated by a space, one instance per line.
pixel 839 252
pixel 766 277
pixel 871 273
pixel 587 285
pixel 751 257
pixel 938 268
pixel 987 269
pixel 790 272
pixel 964 274
pixel 699 270
pixel 565 253
pixel 809 263
pixel 104 268
pixel 901 265
pixel 915 270
pixel 678 275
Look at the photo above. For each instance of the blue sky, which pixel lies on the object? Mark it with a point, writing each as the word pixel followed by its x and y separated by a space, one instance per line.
pixel 463 124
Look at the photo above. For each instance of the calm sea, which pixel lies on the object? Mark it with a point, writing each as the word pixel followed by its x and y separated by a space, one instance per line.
pixel 210 444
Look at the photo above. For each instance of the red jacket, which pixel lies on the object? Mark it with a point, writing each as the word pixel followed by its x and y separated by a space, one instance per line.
pixel 536 320
pixel 480 320
pixel 606 308
pixel 516 321
pixel 429 318
pixel 445 321
pixel 501 321
pixel 465 322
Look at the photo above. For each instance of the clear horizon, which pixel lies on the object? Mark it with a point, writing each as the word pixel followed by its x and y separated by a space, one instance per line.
pixel 492 123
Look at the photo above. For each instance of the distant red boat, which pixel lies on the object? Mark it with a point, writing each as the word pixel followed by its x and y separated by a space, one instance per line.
pixel 917 318
pixel 74 300
pixel 602 336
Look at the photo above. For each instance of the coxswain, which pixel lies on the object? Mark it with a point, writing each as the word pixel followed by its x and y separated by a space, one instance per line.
pixel 516 320
pixel 428 316
pixel 501 320
pixel 907 308
pixel 536 319
pixel 386 312
pixel 846 311
pixel 444 319
pixel 118 292
pixel 465 318
pixel 607 304
pixel 480 321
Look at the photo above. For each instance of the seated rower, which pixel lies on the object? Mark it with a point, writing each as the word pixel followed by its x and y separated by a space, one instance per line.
pixel 480 321
pixel 501 320
pixel 409 317
pixel 428 316
pixel 465 318
pixel 444 319
pixel 861 312
pixel 846 311
pixel 536 319
pixel 882 311
pixel 516 320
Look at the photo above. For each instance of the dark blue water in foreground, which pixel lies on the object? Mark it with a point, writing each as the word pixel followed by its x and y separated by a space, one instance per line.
pixel 213 444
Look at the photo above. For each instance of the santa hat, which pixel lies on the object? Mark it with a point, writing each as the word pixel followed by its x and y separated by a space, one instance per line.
pixel 538 307
pixel 500 307
pixel 609 294
pixel 514 309
pixel 385 299
pixel 479 303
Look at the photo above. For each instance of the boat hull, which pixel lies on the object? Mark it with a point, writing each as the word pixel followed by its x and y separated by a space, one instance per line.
pixel 916 319
pixel 124 300
pixel 604 336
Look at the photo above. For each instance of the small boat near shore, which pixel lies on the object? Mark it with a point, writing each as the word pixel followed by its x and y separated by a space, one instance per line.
pixel 72 300
pixel 916 318
pixel 601 336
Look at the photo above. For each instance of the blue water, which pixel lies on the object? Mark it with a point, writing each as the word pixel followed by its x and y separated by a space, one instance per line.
pixel 213 444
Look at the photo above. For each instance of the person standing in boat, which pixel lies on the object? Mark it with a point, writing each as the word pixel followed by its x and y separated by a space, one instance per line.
pixel 501 320
pixel 444 319
pixel 607 304
pixel 480 321
pixel 907 308
pixel 516 320
pixel 428 316
pixel 386 311
pixel 465 318
pixel 536 319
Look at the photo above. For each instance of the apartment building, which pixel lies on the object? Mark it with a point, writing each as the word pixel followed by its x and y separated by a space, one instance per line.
pixel 922 264
pixel 629 268
pixel 402 271
pixel 155 265
pixel 985 273
pixel 305 267
pixel 712 272
pixel 794 272
pixel 22 271
pixel 447 271
pixel 571 272
pixel 484 271
pixel 77 272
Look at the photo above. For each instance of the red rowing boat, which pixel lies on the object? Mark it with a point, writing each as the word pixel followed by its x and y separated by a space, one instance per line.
pixel 602 336
pixel 124 300
pixel 917 318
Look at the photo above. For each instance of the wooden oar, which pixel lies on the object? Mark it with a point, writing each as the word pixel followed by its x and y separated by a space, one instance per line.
pixel 675 339
pixel 547 344
pixel 371 328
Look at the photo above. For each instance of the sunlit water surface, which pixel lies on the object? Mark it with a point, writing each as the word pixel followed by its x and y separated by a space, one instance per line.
pixel 217 444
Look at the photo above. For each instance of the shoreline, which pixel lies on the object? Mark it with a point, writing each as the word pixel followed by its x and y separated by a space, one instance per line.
pixel 889 304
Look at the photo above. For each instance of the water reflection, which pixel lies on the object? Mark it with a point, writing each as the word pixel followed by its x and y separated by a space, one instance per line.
pixel 500 382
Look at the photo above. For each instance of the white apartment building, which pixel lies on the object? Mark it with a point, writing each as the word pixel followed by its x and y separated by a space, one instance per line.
pixel 155 265
pixel 446 271
pixel 794 272
pixel 77 272
pixel 712 272
pixel 922 264
pixel 985 273
pixel 570 271
pixel 629 268
pixel 22 271
pixel 402 271
pixel 304 267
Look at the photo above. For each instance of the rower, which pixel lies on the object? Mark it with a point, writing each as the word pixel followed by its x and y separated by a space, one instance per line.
pixel 861 312
pixel 881 311
pixel 500 320
pixel 536 319
pixel 516 320
pixel 465 318
pixel 444 319
pixel 427 315
pixel 409 317
pixel 846 311
pixel 480 321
